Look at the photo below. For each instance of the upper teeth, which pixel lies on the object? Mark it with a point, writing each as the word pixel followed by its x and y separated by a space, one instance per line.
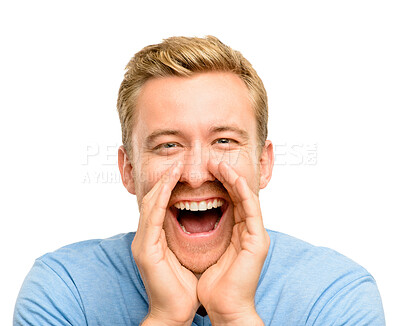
pixel 199 206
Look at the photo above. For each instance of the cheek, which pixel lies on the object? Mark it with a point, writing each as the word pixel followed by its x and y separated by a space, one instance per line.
pixel 235 157
pixel 150 173
pixel 232 157
pixel 242 159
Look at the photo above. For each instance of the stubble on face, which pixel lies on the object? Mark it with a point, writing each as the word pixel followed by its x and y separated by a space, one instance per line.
pixel 198 258
pixel 185 98
pixel 202 257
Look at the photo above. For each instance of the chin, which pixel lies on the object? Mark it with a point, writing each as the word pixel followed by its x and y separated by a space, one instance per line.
pixel 198 258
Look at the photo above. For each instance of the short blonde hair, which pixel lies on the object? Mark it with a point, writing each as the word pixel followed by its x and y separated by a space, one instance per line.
pixel 185 56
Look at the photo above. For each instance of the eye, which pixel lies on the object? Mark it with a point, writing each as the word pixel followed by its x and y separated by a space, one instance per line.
pixel 223 141
pixel 226 141
pixel 167 145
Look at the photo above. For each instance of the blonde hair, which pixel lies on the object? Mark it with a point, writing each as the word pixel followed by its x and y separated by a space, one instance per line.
pixel 185 56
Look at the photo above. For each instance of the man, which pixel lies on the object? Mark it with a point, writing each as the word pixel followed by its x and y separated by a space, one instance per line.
pixel 195 153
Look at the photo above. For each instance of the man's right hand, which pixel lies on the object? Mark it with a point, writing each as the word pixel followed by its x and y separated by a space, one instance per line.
pixel 171 288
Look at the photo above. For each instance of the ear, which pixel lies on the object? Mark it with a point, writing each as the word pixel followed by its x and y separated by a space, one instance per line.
pixel 266 163
pixel 125 169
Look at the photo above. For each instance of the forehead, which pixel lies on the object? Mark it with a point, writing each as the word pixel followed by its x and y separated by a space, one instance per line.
pixel 194 104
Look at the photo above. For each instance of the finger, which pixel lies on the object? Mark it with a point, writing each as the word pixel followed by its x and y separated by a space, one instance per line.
pixel 162 179
pixel 147 199
pixel 230 175
pixel 158 203
pixel 247 202
pixel 251 207
pixel 220 173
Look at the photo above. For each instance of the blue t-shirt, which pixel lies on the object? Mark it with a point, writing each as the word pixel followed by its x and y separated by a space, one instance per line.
pixel 97 282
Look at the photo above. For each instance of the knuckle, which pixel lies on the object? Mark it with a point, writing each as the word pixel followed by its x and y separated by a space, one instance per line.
pixel 144 211
pixel 135 254
pixel 138 256
pixel 135 249
pixel 148 223
pixel 145 200
pixel 145 207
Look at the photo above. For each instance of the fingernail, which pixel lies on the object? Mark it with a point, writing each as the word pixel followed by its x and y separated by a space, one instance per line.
pixel 176 167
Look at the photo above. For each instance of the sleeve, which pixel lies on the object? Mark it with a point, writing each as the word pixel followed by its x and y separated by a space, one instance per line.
pixel 358 303
pixel 47 299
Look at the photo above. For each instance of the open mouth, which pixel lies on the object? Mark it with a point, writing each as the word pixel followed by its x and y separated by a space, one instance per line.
pixel 199 217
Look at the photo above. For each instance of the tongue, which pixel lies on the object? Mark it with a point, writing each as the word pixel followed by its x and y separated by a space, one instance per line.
pixel 200 221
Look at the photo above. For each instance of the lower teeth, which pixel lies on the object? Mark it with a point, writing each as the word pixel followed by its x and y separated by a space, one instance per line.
pixel 184 230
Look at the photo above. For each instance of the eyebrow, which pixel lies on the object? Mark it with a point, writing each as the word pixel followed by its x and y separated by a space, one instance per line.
pixel 213 130
pixel 241 132
pixel 161 132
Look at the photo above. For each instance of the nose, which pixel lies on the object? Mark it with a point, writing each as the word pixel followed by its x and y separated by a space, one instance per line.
pixel 195 171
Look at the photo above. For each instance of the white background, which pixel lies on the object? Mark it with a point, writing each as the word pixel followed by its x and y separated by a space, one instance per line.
pixel 331 70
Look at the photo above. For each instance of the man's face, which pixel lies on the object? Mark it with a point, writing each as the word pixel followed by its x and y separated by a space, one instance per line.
pixel 199 121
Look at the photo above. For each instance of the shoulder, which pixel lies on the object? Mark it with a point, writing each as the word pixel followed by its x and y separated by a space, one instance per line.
pixel 66 284
pixel 115 249
pixel 312 280
pixel 298 256
pixel 91 265
pixel 296 261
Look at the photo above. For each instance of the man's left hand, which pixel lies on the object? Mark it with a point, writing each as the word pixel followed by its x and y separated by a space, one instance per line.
pixel 227 289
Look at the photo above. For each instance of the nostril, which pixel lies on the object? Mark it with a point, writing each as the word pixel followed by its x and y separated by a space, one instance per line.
pixel 196 178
